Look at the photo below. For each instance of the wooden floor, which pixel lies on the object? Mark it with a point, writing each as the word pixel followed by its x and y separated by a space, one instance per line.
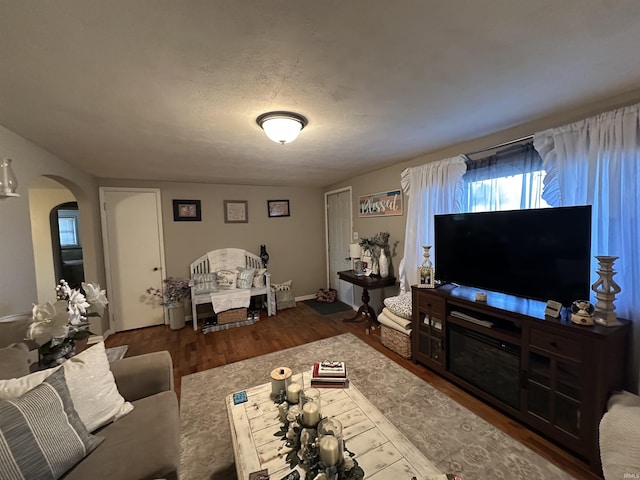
pixel 194 352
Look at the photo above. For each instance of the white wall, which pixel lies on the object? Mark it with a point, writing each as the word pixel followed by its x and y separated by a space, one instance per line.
pixel 18 285
pixel 42 200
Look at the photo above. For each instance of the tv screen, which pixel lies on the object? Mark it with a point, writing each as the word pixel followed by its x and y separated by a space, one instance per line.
pixel 543 254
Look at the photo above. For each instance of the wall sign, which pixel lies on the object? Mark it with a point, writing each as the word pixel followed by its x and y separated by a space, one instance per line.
pixel 383 204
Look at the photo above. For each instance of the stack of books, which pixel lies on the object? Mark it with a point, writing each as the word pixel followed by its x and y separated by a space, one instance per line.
pixel 329 374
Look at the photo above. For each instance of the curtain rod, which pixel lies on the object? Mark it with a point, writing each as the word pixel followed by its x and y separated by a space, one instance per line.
pixel 518 140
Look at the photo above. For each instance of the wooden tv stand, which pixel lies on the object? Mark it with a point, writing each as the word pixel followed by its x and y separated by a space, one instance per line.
pixel 565 373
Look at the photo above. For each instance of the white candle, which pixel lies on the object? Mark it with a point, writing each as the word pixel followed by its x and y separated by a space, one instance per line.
pixel 310 414
pixel 330 450
pixel 293 392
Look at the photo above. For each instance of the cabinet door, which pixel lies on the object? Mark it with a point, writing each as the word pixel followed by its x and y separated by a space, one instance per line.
pixel 430 329
pixel 554 386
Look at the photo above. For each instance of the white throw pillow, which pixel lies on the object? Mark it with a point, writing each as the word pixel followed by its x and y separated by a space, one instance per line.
pixel 91 385
pixel 258 278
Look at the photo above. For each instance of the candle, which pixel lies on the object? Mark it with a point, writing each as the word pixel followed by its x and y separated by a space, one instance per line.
pixel 310 414
pixel 330 450
pixel 280 380
pixel 293 392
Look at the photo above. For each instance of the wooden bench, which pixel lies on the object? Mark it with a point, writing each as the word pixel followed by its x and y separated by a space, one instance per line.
pixel 229 259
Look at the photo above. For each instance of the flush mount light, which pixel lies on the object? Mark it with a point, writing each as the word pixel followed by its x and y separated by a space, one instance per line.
pixel 282 127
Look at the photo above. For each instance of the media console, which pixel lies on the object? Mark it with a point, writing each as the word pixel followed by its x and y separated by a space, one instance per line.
pixel 550 374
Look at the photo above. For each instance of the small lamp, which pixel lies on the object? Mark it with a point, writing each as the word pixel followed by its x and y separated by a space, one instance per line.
pixel 282 127
pixel 8 181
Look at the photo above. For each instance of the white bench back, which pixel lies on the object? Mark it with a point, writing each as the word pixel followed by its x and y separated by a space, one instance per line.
pixel 225 259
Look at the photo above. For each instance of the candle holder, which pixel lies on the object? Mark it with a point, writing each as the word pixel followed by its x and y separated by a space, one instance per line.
pixel 311 407
pixel 426 275
pixel 293 393
pixel 606 289
pixel 330 441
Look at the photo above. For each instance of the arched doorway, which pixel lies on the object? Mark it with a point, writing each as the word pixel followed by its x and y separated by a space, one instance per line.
pixel 68 263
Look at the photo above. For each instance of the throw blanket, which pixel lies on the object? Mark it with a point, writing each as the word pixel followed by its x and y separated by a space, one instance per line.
pixel 227 299
pixel 620 436
pixel 403 322
pixel 387 322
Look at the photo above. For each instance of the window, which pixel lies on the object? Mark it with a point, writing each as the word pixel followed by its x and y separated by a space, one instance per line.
pixel 512 179
pixel 68 228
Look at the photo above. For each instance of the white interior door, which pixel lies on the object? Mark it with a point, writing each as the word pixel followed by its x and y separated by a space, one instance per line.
pixel 338 207
pixel 134 255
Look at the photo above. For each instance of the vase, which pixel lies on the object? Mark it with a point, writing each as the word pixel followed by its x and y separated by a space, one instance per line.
pixel 264 255
pixel 176 315
pixel 605 289
pixel 375 266
pixel 383 263
pixel 52 356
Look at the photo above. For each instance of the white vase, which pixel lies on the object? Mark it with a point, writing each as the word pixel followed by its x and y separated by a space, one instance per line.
pixel 176 315
pixel 383 263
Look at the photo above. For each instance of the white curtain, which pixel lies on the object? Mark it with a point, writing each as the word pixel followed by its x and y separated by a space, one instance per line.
pixel 597 162
pixel 510 179
pixel 431 189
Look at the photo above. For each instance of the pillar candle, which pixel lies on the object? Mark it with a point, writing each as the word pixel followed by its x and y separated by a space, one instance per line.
pixel 330 450
pixel 293 392
pixel 310 414
pixel 355 250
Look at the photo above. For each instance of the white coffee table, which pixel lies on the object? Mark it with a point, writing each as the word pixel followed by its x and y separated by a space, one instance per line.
pixel 381 449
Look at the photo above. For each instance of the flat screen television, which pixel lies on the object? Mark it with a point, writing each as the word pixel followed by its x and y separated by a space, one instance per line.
pixel 543 254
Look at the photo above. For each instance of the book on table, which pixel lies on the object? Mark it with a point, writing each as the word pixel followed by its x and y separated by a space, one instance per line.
pixel 335 377
pixel 329 368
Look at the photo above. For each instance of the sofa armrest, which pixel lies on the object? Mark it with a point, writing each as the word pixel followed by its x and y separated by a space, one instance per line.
pixel 143 375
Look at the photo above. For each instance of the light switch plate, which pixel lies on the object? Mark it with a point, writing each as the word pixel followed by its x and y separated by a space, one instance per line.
pixel 355 235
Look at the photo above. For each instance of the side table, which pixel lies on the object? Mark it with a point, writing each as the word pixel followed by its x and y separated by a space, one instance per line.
pixel 366 311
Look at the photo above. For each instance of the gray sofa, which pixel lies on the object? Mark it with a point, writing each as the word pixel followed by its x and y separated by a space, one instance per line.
pixel 144 444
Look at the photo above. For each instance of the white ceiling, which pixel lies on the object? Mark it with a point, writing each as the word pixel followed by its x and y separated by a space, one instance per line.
pixel 169 90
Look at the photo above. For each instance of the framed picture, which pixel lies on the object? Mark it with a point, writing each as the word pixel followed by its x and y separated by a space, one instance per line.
pixel 278 208
pixel 186 211
pixel 236 211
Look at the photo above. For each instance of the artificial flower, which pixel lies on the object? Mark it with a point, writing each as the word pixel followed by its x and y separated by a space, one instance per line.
pixel 96 297
pixel 51 321
pixel 77 307
pixel 64 321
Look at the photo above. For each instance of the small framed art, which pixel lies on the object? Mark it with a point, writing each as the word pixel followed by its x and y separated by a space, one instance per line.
pixel 278 208
pixel 236 211
pixel 186 211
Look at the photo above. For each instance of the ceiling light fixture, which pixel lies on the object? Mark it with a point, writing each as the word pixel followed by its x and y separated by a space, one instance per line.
pixel 282 127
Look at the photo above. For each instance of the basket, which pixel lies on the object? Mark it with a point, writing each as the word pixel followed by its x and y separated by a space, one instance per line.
pixel 396 341
pixel 233 315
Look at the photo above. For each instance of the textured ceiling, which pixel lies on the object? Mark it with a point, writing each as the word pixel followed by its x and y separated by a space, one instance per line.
pixel 169 90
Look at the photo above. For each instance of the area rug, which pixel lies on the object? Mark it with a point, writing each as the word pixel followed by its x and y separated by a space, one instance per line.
pixel 452 437
pixel 327 308
pixel 116 353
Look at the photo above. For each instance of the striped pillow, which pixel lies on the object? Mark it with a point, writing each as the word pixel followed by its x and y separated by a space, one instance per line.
pixel 41 435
